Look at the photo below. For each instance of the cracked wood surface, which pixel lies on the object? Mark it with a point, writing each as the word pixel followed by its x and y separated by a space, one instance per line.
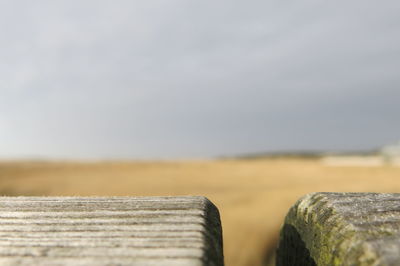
pixel 342 229
pixel 109 231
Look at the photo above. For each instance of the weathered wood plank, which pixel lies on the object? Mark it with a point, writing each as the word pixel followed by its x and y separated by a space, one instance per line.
pixel 109 231
pixel 342 229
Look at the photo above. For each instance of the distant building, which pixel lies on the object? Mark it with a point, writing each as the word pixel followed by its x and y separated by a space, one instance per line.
pixel 391 153
pixel 387 155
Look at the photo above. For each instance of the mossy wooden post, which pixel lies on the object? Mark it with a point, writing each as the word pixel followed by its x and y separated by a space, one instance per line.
pixel 181 231
pixel 342 229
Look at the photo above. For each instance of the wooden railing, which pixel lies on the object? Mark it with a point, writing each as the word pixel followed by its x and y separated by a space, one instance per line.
pixel 342 229
pixel 109 231
pixel 320 229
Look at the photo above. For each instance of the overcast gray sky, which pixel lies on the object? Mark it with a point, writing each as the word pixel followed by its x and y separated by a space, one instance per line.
pixel 183 78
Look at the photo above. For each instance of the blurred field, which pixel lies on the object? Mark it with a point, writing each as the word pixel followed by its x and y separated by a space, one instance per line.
pixel 252 195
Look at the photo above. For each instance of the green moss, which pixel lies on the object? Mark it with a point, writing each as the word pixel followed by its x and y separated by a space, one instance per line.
pixel 329 237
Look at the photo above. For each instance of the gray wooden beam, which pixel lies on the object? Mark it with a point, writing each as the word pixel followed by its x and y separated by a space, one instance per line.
pixel 342 229
pixel 109 231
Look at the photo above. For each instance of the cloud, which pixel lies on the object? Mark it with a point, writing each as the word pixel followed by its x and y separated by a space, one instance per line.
pixel 193 79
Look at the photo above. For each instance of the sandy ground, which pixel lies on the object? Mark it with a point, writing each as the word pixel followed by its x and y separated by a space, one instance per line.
pixel 252 195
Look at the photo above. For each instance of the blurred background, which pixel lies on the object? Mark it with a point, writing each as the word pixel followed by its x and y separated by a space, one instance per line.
pixel 251 104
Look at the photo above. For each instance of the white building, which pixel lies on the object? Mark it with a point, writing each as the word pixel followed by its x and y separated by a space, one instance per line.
pixel 387 155
pixel 391 153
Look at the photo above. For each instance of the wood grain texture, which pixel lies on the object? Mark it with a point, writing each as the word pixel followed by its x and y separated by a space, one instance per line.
pixel 342 229
pixel 109 231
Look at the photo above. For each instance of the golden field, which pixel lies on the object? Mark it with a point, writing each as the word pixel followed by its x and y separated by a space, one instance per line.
pixel 252 195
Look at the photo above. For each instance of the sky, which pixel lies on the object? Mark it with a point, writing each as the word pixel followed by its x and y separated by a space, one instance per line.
pixel 196 79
